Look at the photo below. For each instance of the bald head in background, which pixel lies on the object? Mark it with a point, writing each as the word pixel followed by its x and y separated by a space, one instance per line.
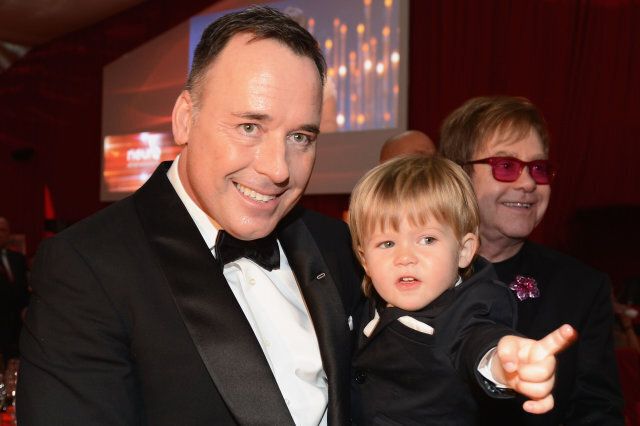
pixel 409 142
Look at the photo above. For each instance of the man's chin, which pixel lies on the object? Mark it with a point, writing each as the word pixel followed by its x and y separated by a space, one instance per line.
pixel 253 224
pixel 519 234
pixel 252 231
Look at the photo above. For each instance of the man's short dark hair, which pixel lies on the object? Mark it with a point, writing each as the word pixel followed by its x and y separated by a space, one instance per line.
pixel 264 23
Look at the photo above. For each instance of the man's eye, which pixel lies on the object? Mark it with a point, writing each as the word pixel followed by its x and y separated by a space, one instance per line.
pixel 506 164
pixel 301 138
pixel 539 167
pixel 249 128
pixel 386 244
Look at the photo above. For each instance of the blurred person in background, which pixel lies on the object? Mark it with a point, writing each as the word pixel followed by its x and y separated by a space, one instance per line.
pixel 14 293
pixel 409 142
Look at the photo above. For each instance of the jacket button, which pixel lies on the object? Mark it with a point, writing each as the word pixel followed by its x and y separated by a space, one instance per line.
pixel 360 377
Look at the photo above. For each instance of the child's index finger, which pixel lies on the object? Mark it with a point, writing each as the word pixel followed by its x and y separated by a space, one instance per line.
pixel 556 341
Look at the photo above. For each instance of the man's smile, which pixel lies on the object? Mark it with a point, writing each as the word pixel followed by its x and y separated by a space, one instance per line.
pixel 517 204
pixel 252 194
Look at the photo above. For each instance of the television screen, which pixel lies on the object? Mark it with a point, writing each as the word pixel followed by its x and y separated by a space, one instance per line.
pixel 365 95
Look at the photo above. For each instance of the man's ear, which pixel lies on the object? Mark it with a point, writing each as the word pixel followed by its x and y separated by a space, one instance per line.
pixel 182 118
pixel 468 248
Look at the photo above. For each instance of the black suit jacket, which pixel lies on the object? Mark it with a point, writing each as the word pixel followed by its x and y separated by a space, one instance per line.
pixel 14 297
pixel 132 321
pixel 586 389
pixel 405 377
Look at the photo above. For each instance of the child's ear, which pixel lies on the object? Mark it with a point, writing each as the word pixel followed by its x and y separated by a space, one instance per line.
pixel 468 248
pixel 363 262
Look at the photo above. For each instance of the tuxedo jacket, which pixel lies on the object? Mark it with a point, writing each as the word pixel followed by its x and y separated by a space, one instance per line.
pixel 132 321
pixel 586 389
pixel 406 377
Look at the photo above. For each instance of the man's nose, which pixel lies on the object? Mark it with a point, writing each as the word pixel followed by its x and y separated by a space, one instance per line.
pixel 525 181
pixel 271 159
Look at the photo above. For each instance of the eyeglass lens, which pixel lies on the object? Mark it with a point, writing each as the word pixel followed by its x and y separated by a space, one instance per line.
pixel 509 169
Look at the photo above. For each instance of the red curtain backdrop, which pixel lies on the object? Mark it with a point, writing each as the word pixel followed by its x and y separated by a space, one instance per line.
pixel 579 61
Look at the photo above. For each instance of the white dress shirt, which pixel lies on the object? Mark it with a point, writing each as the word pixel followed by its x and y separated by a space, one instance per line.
pixel 274 306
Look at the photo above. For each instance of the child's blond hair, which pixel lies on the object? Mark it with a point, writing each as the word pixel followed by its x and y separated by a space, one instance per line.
pixel 418 188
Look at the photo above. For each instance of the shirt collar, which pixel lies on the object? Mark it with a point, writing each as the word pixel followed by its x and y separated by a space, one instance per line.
pixel 204 223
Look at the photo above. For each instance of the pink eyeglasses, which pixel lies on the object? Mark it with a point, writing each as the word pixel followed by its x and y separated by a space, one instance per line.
pixel 509 169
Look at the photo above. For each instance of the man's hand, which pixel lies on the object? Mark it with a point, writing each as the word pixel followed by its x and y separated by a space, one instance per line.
pixel 528 366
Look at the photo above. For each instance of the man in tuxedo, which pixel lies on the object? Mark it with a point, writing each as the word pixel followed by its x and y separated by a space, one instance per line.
pixel 14 294
pixel 206 297
pixel 503 144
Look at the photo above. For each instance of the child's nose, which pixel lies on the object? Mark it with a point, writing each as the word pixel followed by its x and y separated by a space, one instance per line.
pixel 405 256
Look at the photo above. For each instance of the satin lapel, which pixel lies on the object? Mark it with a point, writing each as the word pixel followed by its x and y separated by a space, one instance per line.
pixel 214 319
pixel 326 310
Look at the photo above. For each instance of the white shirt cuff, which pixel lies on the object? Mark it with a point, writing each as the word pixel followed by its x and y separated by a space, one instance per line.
pixel 484 368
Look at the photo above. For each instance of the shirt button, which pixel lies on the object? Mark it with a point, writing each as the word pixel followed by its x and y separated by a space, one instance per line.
pixel 287 401
pixel 252 281
pixel 360 377
pixel 267 343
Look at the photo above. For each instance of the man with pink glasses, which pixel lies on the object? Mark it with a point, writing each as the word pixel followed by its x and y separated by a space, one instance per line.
pixel 503 144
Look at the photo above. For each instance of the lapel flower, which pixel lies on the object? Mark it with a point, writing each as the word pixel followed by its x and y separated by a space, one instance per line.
pixel 525 287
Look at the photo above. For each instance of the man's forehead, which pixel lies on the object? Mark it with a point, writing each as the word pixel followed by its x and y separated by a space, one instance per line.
pixel 255 77
pixel 501 139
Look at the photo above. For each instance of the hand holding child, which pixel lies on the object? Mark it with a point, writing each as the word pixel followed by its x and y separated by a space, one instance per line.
pixel 528 366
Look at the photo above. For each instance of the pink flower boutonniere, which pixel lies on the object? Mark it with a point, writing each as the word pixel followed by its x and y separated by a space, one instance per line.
pixel 525 287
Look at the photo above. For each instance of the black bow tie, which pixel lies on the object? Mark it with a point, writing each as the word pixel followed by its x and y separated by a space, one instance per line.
pixel 263 251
